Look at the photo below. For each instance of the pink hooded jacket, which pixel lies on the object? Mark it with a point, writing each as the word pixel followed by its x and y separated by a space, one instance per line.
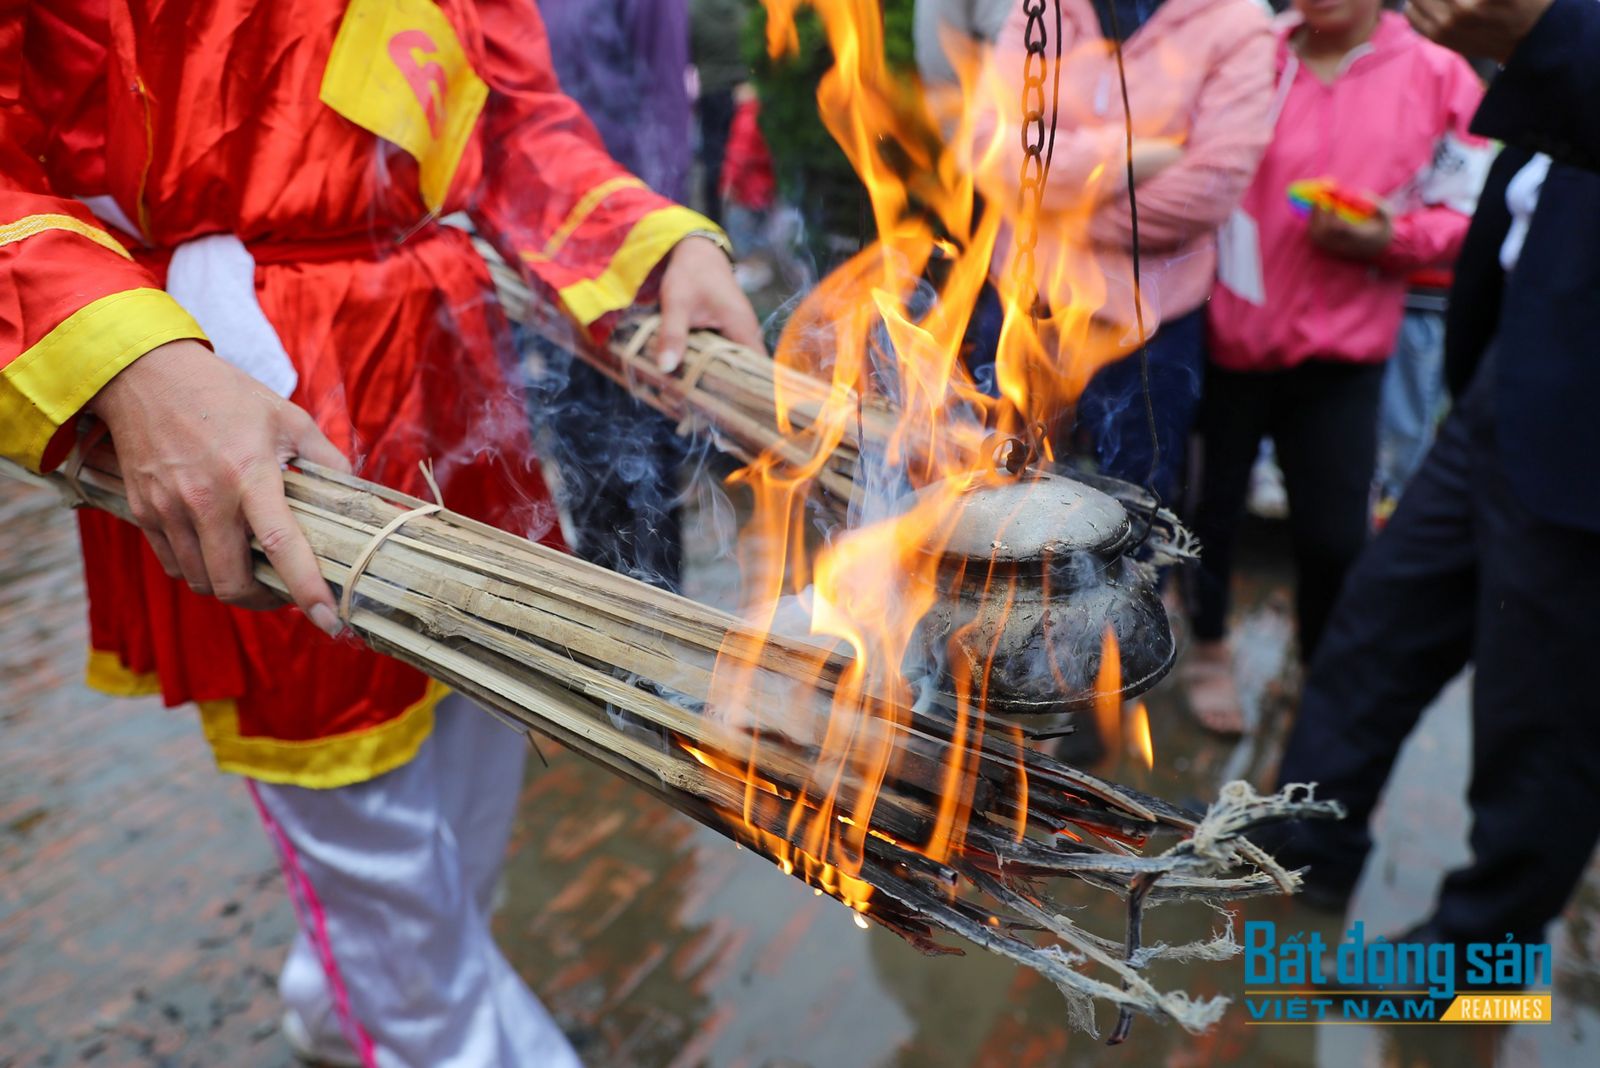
pixel 1199 71
pixel 1392 122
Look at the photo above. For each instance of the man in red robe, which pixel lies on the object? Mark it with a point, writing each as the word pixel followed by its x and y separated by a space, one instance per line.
pixel 220 237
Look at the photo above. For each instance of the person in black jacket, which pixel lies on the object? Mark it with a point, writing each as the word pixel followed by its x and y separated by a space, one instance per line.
pixel 1493 556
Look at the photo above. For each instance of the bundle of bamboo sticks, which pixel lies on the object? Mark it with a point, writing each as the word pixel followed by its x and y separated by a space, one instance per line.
pixel 724 390
pixel 622 672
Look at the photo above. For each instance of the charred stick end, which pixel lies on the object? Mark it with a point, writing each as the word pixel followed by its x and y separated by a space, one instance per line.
pixel 1137 892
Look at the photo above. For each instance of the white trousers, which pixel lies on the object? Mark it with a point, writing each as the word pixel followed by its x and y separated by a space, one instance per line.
pixel 391 881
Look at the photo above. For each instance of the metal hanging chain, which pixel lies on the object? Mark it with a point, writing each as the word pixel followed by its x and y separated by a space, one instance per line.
pixel 1038 151
pixel 1038 141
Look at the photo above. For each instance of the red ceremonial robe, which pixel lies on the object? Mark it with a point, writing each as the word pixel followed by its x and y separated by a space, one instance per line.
pixel 328 137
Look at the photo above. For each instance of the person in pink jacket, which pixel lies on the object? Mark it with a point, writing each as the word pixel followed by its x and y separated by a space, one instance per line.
pixel 1309 302
pixel 1199 79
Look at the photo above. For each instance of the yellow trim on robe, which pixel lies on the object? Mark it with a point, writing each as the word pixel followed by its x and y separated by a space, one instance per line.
pixel 52 380
pixel 646 245
pixel 106 674
pixel 322 763
pixel 38 224
pixel 580 212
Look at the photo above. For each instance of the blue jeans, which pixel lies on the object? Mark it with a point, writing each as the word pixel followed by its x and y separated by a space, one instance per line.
pixel 1413 399
pixel 1111 422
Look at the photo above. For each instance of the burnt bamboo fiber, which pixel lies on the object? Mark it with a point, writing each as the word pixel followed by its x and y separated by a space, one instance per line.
pixel 621 672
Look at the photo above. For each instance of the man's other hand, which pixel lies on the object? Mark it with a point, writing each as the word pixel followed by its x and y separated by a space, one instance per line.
pixel 1477 28
pixel 699 292
pixel 201 445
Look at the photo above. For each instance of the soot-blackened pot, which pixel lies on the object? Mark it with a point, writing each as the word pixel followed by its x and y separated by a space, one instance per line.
pixel 1036 570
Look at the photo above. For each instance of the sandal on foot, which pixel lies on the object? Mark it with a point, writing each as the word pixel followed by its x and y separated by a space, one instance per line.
pixel 1213 694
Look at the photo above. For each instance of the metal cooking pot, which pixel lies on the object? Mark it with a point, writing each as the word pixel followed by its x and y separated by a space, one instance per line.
pixel 1037 569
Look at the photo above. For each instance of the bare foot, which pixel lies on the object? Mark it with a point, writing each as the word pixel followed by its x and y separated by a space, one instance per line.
pixel 1207 675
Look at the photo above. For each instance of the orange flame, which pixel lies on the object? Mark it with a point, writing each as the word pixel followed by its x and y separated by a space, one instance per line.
pixel 1112 717
pixel 869 587
pixel 1139 736
pixel 1108 690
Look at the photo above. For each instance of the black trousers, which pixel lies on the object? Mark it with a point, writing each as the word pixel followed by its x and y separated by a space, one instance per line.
pixel 1464 571
pixel 715 111
pixel 1323 418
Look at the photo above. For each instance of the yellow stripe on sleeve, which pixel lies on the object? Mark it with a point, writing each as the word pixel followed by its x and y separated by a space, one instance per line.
pixel 54 378
pixel 581 211
pixel 646 245
pixel 38 224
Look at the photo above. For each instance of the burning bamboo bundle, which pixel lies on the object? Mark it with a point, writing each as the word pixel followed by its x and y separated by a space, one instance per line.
pixel 960 834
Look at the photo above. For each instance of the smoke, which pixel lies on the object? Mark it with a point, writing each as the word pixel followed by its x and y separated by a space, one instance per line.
pixel 623 476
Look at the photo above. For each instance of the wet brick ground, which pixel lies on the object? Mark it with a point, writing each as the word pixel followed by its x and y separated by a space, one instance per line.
pixel 142 919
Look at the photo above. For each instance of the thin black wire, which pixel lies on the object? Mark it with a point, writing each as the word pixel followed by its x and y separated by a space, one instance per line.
pixel 1055 103
pixel 1141 886
pixel 1138 288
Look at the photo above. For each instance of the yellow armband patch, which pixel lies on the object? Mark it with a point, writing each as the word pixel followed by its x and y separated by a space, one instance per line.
pixel 398 70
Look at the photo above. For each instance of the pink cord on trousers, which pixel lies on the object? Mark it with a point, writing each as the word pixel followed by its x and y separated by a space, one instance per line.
pixel 314 921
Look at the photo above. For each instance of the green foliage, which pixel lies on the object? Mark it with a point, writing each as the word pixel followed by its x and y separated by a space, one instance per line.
pixel 812 170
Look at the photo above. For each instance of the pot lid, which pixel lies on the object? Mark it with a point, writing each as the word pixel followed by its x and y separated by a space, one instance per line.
pixel 1021 519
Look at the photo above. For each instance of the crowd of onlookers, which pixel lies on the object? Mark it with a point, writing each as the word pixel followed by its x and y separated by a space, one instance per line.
pixel 1280 231
pixel 1305 189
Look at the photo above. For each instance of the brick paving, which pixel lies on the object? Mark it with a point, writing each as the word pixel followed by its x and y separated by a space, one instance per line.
pixel 142 919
